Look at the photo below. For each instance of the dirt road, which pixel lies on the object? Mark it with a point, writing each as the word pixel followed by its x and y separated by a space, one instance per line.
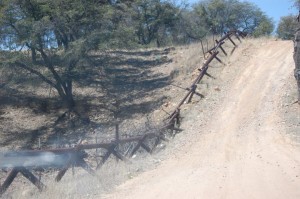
pixel 244 151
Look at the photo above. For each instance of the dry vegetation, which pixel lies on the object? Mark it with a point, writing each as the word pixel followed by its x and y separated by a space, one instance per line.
pixel 142 82
pixel 130 87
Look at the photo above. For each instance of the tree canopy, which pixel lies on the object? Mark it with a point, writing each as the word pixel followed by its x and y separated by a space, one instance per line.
pixel 224 15
pixel 59 34
pixel 52 39
pixel 287 27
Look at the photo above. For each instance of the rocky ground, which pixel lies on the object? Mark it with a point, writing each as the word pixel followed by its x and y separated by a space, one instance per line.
pixel 247 147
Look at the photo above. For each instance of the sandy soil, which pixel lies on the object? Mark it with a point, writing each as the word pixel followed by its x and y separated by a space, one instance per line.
pixel 244 150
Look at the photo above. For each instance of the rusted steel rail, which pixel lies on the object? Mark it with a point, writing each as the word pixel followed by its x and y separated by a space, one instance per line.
pixel 26 162
pixel 203 71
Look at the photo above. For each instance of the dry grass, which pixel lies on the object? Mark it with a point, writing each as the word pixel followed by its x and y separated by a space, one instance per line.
pixel 83 185
pixel 154 103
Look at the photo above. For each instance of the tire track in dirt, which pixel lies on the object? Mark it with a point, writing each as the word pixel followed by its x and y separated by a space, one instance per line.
pixel 245 152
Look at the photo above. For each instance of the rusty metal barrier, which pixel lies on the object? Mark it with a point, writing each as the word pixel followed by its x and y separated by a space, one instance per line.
pixel 25 162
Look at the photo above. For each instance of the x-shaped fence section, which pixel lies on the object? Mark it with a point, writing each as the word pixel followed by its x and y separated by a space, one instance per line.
pixel 66 158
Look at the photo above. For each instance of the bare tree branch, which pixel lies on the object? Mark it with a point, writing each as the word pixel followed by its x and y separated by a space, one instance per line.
pixel 24 66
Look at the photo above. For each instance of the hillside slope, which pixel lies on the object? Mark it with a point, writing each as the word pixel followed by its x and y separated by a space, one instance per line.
pixel 244 150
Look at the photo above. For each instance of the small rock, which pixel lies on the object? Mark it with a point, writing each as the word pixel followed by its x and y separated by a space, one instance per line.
pixel 217 88
pixel 84 142
pixel 166 104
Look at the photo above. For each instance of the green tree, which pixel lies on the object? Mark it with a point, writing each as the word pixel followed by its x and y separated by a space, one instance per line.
pixel 265 26
pixel 59 34
pixel 192 26
pixel 155 20
pixel 287 27
pixel 297 4
pixel 224 15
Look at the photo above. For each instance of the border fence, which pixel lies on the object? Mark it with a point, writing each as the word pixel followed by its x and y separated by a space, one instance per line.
pixel 62 159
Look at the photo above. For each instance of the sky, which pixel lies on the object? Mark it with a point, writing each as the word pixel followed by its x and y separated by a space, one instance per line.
pixel 276 8
pixel 273 8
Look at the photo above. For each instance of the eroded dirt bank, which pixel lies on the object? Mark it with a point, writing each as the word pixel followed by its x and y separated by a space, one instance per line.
pixel 245 149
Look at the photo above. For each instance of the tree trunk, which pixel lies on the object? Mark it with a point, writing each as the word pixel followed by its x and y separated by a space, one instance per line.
pixel 157 43
pixel 63 87
pixel 66 96
pixel 33 55
pixel 297 60
pixel 69 100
